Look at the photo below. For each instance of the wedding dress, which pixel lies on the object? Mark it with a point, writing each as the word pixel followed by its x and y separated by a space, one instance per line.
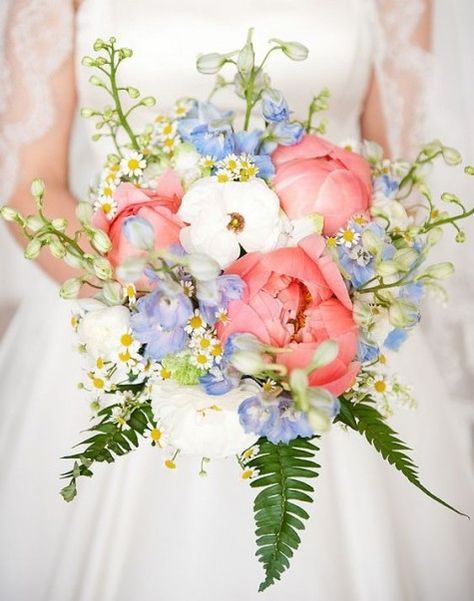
pixel 137 531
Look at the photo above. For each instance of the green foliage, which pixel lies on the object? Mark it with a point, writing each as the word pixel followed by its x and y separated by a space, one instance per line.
pixel 283 470
pixel 108 442
pixel 365 419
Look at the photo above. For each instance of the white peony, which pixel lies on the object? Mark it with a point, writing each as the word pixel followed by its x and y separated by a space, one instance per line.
pixel 200 424
pixel 225 216
pixel 101 328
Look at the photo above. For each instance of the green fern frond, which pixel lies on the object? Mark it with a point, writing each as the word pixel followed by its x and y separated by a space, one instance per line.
pixel 283 470
pixel 365 419
pixel 108 442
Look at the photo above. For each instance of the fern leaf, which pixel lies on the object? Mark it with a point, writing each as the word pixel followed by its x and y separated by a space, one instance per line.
pixel 108 441
pixel 365 419
pixel 282 470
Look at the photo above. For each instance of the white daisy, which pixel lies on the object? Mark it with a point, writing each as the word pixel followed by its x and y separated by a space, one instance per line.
pixel 196 323
pixel 133 164
pixel 347 237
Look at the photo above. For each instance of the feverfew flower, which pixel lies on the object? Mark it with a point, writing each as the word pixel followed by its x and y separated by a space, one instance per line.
pixel 133 164
pixel 347 237
pixel 224 217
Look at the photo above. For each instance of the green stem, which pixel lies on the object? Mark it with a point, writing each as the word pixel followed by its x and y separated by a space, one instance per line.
pixel 430 226
pixel 118 105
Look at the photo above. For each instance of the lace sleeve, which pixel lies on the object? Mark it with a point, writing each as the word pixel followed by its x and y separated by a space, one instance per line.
pixel 36 36
pixel 403 69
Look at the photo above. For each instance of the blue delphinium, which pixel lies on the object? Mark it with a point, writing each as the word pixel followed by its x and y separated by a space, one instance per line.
pixel 160 320
pixel 249 142
pixel 277 419
pixel 274 107
pixel 220 379
pixel 356 260
pixel 208 129
pixel 217 294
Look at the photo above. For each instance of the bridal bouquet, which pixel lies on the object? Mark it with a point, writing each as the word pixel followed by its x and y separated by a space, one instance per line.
pixel 243 286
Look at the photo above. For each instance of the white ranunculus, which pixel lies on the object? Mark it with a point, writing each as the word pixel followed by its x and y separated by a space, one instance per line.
pixel 186 163
pixel 225 216
pixel 101 329
pixel 393 210
pixel 200 424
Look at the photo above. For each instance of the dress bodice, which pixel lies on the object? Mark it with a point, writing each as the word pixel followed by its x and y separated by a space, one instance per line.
pixel 167 37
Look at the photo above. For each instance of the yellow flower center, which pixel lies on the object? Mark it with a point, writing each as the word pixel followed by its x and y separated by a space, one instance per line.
pixel 380 386
pixel 165 373
pixel 348 235
pixel 107 192
pixel 231 164
pixel 107 207
pixel 331 242
pixel 236 223
pixel 98 383
pixel 124 357
pixel 247 474
pixel 195 322
pixel 168 142
pixel 167 129
pixel 222 178
pixel 204 343
pixel 201 359
pixel 99 363
pixel 155 434
pixel 170 464
pixel 216 350
pixel 126 339
pixel 133 164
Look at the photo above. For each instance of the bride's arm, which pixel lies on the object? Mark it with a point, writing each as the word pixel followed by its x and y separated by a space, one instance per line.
pixel 47 158
pixel 394 101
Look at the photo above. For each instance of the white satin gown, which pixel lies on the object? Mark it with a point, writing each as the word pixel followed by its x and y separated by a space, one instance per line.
pixel 137 531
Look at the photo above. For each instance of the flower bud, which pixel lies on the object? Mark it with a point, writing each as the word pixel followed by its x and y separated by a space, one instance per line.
pixel 70 288
pixel 133 92
pixel 149 101
pixel 112 292
pixel 202 267
pixel 449 197
pixel 325 354
pixel 72 259
pixel 402 313
pixel 34 223
pixel 469 170
pixel 101 242
pixel 99 44
pixel 318 420
pixel 87 61
pixel 102 268
pixel 387 268
pixel 404 258
pixel 248 362
pixel 131 269
pixel 125 53
pixel 451 156
pixel 246 57
pixel 460 237
pixel 84 212
pixel 210 64
pixel 86 113
pixel 299 384
pixel 440 271
pixel 293 50
pixel 37 191
pixel 32 249
pixel 371 242
pixel 8 213
pixel 434 236
pixel 139 232
pixel 59 224
pixel 96 81
pixel 56 249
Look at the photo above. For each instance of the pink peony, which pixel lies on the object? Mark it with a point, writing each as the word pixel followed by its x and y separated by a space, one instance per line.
pixel 157 206
pixel 296 298
pixel 315 176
